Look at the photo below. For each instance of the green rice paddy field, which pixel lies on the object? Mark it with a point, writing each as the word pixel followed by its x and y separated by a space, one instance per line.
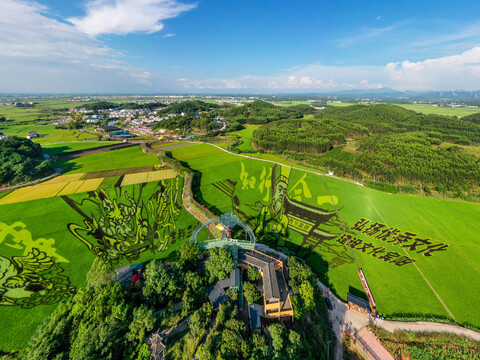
pixel 399 289
pixel 43 224
pixel 48 133
pixel 58 148
pixel 109 160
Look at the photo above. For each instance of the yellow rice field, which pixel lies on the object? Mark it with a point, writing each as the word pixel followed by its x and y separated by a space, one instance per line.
pixel 137 178
pixel 89 185
pixel 72 184
pixel 64 178
pixel 161 175
pixel 35 192
pixel 71 188
pixel 131 179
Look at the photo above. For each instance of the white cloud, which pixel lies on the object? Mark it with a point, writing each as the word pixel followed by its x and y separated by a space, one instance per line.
pixel 460 71
pixel 168 35
pixel 128 16
pixel 42 54
pixel 314 77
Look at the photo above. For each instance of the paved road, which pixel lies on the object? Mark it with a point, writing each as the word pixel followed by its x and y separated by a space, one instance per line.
pixel 427 327
pixel 354 323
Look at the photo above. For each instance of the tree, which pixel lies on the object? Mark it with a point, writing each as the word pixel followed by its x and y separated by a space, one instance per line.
pixel 144 352
pixel 253 275
pixel 100 273
pixel 295 342
pixel 306 291
pixel 203 353
pixel 220 264
pixel 21 160
pixel 143 322
pixel 301 281
pixel 260 348
pixel 160 286
pixel 200 319
pixel 195 293
pixel 189 253
pixel 250 291
pixel 277 333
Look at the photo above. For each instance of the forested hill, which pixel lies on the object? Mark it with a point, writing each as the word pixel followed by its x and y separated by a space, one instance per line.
pixel 21 160
pixel 385 142
pixel 261 112
pixel 475 118
pixel 385 118
pixel 188 107
pixel 105 105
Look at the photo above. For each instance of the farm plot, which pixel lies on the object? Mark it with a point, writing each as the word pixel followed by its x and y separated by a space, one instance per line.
pixel 35 192
pixel 48 133
pixel 56 149
pixel 109 182
pixel 118 172
pixel 144 177
pixel 410 248
pixel 64 178
pixel 58 231
pixel 58 186
pixel 89 185
pixel 110 160
pixel 138 178
pixel 84 182
pixel 71 188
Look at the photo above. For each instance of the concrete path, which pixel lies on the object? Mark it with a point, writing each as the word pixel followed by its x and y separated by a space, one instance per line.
pixel 354 323
pixel 426 327
pixel 373 348
pixel 35 182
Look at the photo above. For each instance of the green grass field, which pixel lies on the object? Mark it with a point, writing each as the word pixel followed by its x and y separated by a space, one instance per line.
pixel 397 289
pixel 43 224
pixel 110 160
pixel 449 111
pixel 55 149
pixel 246 137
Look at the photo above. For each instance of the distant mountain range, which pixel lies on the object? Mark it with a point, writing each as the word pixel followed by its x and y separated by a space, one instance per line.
pixel 388 93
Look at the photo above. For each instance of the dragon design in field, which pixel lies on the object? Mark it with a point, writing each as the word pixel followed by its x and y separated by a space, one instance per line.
pixel 122 225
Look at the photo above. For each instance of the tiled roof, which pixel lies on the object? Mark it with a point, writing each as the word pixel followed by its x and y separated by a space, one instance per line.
pixel 358 301
pixel 267 266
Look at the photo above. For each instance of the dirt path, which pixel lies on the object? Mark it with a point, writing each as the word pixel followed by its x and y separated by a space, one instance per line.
pixel 426 327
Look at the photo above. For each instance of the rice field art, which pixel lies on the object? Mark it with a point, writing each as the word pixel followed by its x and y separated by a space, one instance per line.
pixel 421 255
pixel 47 246
pixel 122 225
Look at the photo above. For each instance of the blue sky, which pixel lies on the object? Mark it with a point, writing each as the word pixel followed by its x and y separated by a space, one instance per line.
pixel 219 46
